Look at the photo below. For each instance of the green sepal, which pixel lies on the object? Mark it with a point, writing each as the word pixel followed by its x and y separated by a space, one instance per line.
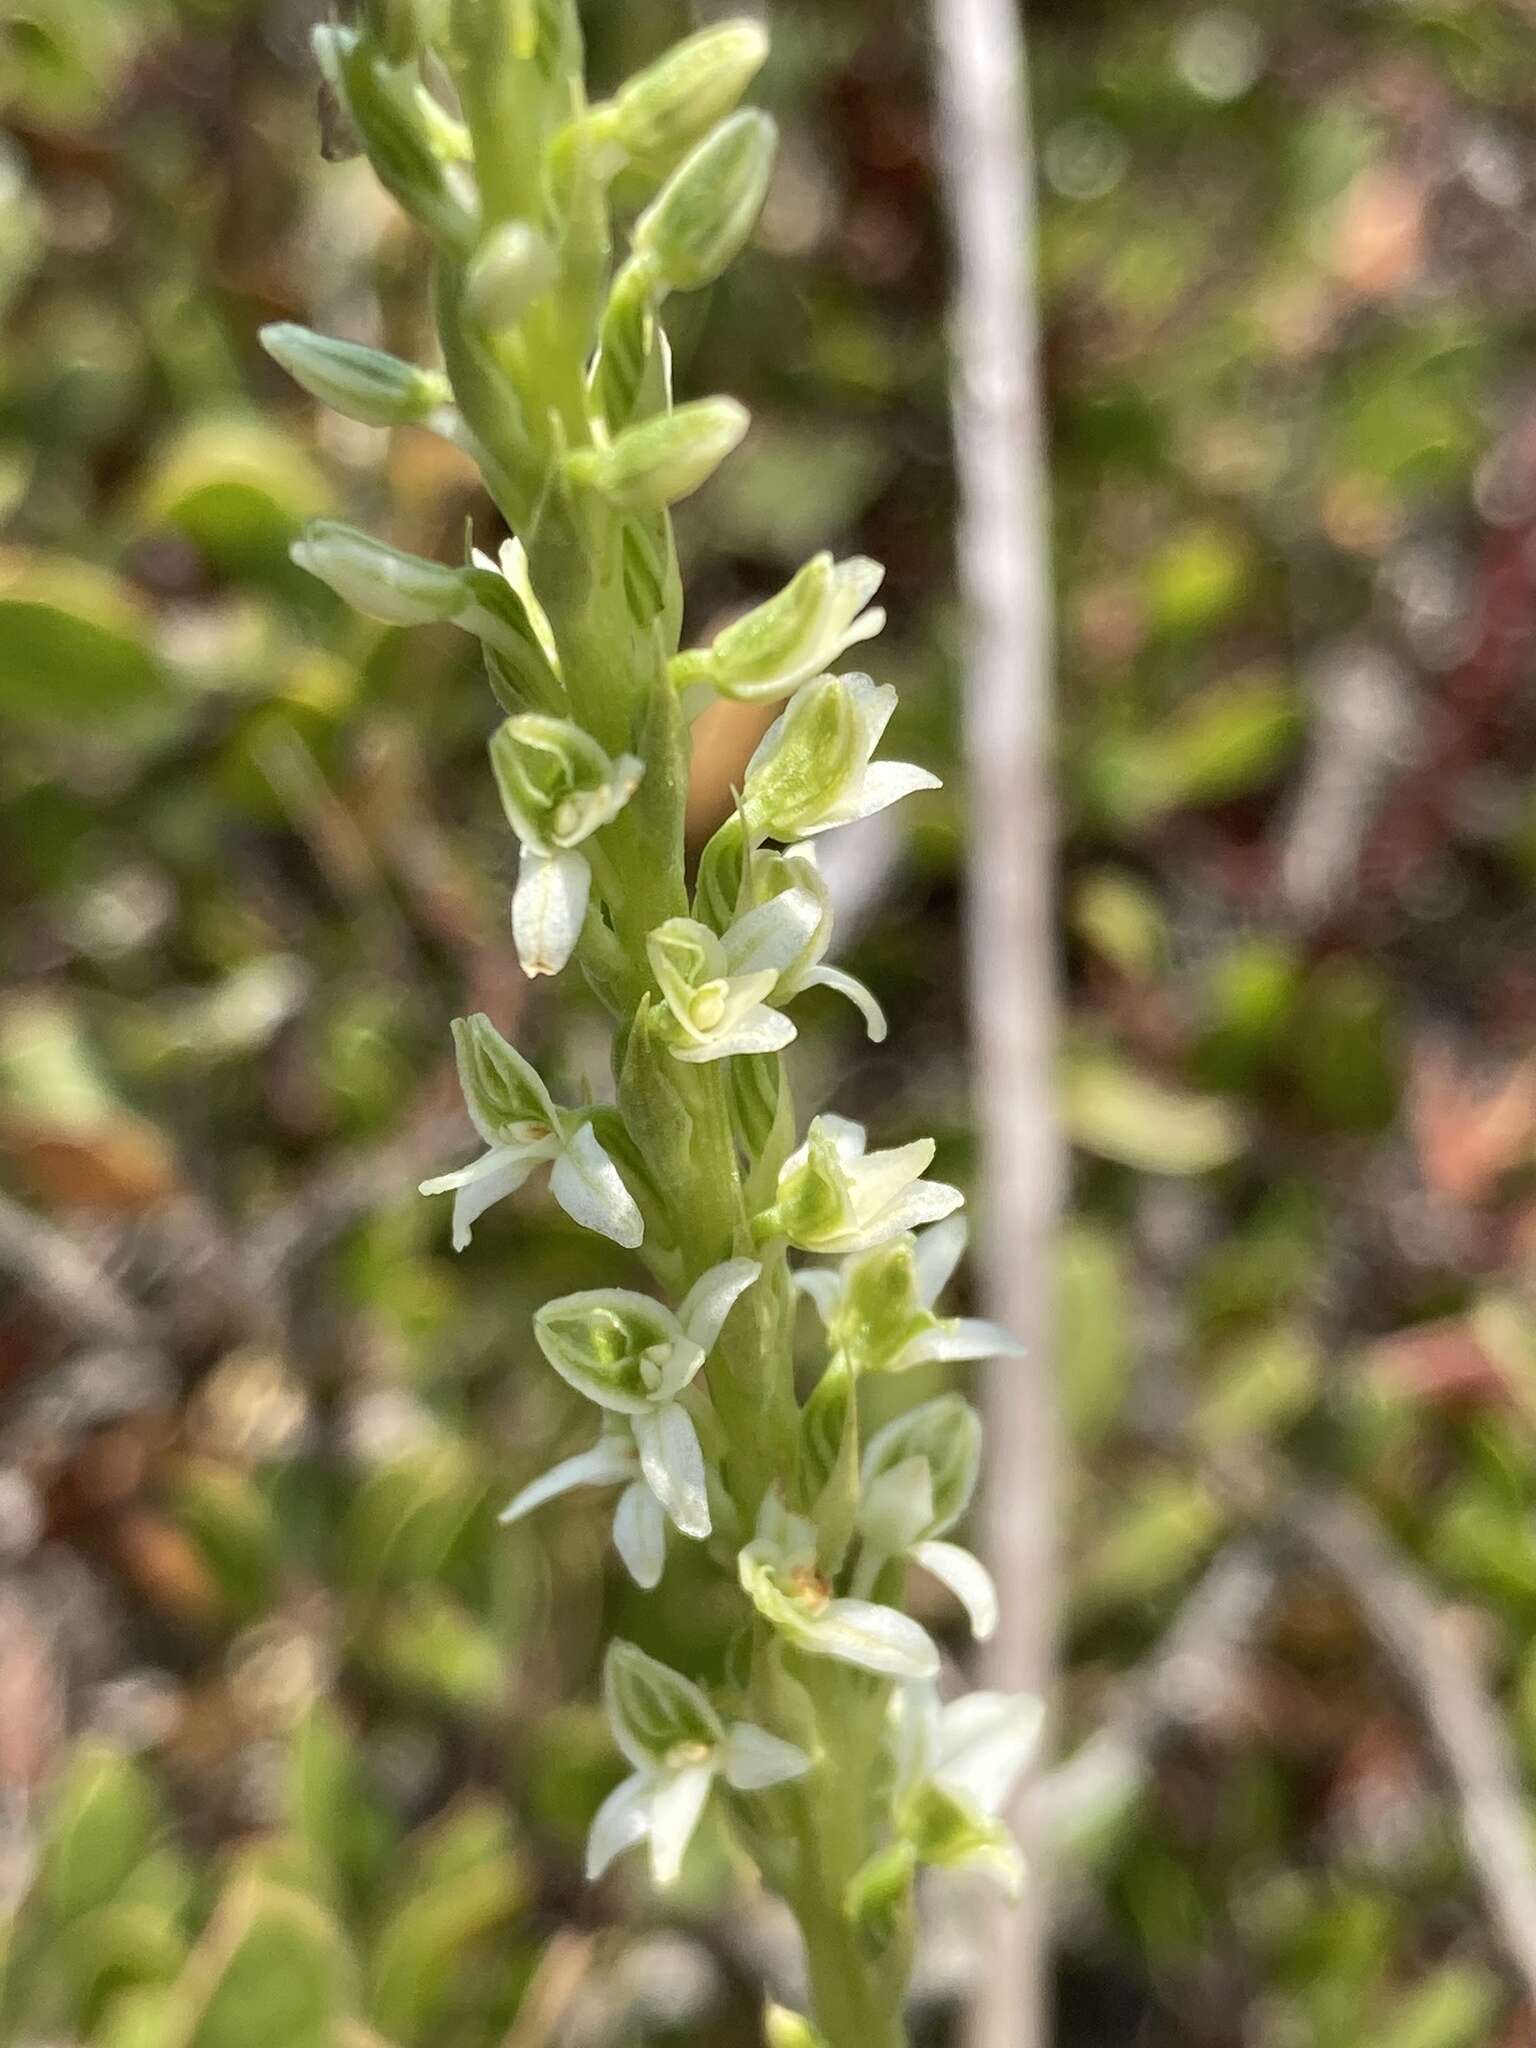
pixel 827 1478
pixel 878 1898
pixel 717 889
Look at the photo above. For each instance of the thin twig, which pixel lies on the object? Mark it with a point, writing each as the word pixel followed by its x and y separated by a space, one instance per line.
pixel 1441 1681
pixel 999 437
pixel 66 1280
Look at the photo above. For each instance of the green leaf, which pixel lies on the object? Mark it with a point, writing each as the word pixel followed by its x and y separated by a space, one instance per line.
pixel 239 490
pixel 1093 1315
pixel 75 646
pixel 422 1945
pixel 269 1970
pixel 236 1532
pixel 1117 1113
pixel 407 1517
pixel 102 1820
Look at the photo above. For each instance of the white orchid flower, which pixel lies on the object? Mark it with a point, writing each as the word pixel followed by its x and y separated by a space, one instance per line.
pixel 513 1112
pixel 634 1358
pixel 956 1767
pixel 557 788
pixel 878 1306
pixel 793 636
pixel 639 1520
pixel 678 1747
pixel 918 1476
pixel 715 988
pixel 778 1573
pixel 794 874
pixel 835 1196
pixel 813 768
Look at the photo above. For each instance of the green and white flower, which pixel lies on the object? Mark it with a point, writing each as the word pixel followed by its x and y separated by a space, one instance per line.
pixel 878 1306
pixel 793 636
pixel 918 1476
pixel 956 1767
pixel 715 988
pixel 835 1196
pixel 814 767
pixel 557 788
pixel 634 1358
pixel 522 1127
pixel 794 876
pixel 779 1574
pixel 678 1746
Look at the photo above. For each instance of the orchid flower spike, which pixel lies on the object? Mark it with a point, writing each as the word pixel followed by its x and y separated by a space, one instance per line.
pixel 635 1359
pixel 878 1306
pixel 778 1572
pixel 678 1747
pixel 513 1112
pixel 835 1196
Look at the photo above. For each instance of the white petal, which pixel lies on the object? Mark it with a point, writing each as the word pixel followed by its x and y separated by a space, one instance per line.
pixel 875 1638
pixel 640 1535
pixel 611 1459
pixel 548 907
pixel 935 1257
pixel 857 994
pixel 760 1030
pixel 967 1578
pixel 926 1201
pixel 623 1819
pixel 673 1464
pixel 752 1759
pixel 476 1186
pixel 775 935
pixel 822 1285
pixel 849 1140
pixel 881 1176
pixel 959 1340
pixel 587 1186
pixel 712 1297
pixel 984 1742
pixel 676 1805
pixel 883 783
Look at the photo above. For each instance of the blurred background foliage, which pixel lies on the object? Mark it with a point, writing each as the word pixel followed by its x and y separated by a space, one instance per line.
pixel 288 1748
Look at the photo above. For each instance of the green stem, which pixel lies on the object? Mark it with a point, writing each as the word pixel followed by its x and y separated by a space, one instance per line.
pixel 858 1990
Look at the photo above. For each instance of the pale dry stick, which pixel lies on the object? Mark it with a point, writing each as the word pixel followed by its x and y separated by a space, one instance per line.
pixel 1440 1681
pixel 999 436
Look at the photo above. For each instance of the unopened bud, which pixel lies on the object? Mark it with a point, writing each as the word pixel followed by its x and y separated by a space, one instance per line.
pixel 360 383
pixel 379 581
pixel 511 269
pixel 664 110
pixel 661 460
pixel 701 219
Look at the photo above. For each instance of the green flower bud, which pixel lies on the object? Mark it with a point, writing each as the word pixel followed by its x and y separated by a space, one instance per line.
pixel 701 219
pixel 664 110
pixel 785 2029
pixel 813 768
pixel 379 581
pixel 557 784
pixel 654 464
pixel 511 269
pixel 878 1897
pixel 407 147
pixel 360 383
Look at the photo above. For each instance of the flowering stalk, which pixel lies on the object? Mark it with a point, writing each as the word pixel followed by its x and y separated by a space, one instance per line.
pixel 826 1749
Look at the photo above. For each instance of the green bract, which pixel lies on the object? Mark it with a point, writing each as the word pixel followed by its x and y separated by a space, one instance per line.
pixel 558 381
